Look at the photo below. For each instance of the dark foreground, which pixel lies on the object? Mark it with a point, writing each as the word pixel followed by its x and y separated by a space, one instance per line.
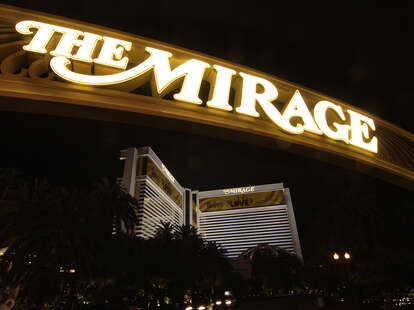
pixel 310 303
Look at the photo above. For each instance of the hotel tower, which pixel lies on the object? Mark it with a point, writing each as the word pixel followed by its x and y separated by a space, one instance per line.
pixel 160 197
pixel 238 219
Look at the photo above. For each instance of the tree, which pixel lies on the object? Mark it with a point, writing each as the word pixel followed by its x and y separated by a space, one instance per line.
pixel 55 233
pixel 216 268
pixel 275 269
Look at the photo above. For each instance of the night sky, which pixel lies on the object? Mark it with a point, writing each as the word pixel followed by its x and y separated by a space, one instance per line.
pixel 358 53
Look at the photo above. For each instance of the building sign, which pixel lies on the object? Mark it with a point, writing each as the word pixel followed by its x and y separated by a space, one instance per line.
pixel 296 118
pixel 63 67
pixel 147 167
pixel 261 199
pixel 168 173
pixel 240 190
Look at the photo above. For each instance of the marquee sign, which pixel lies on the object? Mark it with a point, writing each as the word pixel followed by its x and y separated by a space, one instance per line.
pixel 242 201
pixel 109 67
pixel 112 54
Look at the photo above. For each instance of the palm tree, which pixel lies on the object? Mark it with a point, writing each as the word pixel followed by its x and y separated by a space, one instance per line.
pixel 216 267
pixel 274 268
pixel 115 206
pixel 186 232
pixel 57 231
pixel 165 232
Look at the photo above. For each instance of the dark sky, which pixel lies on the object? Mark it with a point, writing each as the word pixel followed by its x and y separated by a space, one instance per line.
pixel 359 53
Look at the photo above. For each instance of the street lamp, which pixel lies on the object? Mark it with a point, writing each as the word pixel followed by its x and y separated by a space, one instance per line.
pixel 336 256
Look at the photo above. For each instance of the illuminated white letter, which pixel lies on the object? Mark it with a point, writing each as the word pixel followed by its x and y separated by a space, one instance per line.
pixel 221 88
pixel 342 131
pixel 112 52
pixel 249 96
pixel 70 39
pixel 359 130
pixel 298 108
pixel 66 43
pixel 192 71
pixel 40 39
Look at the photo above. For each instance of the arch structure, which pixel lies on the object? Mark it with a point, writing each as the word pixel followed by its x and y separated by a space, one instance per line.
pixel 56 65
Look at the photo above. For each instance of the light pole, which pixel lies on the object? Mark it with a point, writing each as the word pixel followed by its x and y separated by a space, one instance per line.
pixel 346 259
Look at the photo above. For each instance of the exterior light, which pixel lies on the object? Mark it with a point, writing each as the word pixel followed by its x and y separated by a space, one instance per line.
pixel 347 255
pixel 227 293
pixel 335 256
pixel 189 308
pixel 201 308
pixel 228 302
pixel 358 132
pixel 218 302
pixel 72 270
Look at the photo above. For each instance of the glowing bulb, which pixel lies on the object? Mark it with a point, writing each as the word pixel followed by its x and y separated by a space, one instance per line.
pixel 335 256
pixel 347 255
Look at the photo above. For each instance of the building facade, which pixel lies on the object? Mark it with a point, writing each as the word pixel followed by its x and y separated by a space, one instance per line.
pixel 242 218
pixel 236 218
pixel 160 197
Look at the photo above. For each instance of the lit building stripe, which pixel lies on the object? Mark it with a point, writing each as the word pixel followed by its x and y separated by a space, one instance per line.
pixel 237 230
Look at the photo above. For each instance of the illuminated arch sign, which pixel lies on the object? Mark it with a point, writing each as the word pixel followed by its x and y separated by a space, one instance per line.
pixel 109 67
pixel 112 54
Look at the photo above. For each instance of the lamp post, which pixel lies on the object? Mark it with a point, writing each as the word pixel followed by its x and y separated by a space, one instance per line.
pixel 343 259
